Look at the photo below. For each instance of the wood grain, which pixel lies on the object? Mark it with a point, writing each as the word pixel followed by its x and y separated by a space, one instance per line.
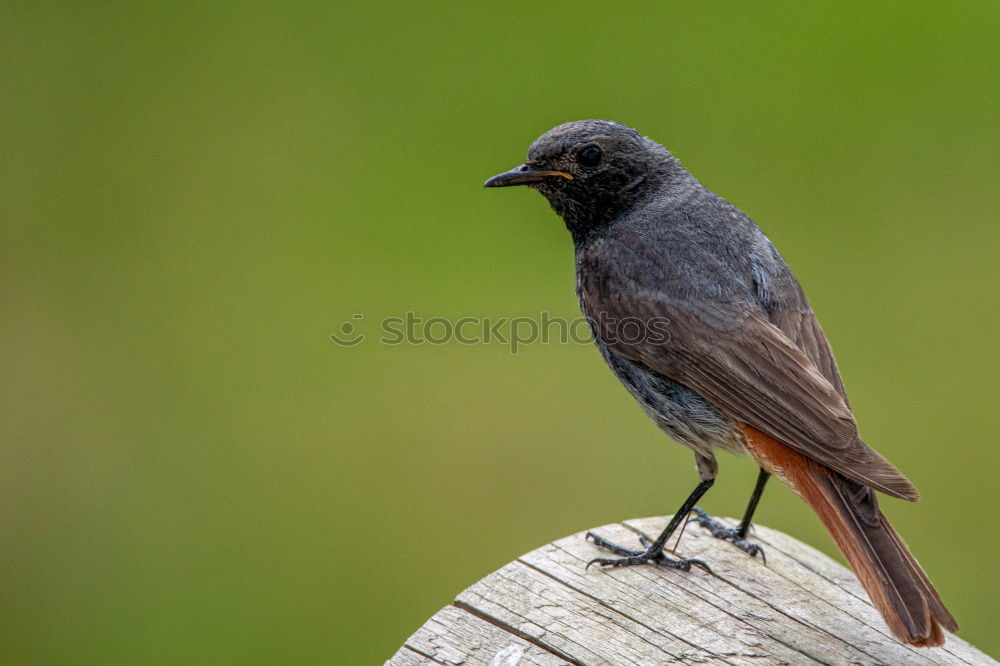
pixel 546 608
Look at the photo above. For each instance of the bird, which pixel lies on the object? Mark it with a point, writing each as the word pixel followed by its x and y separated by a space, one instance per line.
pixel 700 318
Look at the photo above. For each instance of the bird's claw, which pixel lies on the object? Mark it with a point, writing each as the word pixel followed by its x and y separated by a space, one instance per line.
pixel 633 557
pixel 732 535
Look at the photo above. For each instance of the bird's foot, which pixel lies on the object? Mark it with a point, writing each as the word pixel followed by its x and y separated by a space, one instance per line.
pixel 651 555
pixel 720 531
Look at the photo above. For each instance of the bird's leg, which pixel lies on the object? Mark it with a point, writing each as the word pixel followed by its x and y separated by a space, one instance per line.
pixel 653 552
pixel 738 534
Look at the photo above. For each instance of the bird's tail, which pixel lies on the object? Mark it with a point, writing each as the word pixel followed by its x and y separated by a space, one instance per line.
pixel 897 585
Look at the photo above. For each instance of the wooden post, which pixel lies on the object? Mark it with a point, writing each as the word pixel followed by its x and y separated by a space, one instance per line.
pixel 546 608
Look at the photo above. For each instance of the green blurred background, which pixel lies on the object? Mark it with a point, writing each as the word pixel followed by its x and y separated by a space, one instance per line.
pixel 194 197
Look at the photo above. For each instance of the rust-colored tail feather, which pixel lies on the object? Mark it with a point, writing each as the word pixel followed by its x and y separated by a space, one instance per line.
pixel 897 585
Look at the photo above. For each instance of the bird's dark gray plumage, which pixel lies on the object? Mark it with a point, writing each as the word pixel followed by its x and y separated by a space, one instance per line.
pixel 652 242
pixel 742 351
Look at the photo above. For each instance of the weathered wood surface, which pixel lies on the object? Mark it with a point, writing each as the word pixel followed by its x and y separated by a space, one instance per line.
pixel 545 608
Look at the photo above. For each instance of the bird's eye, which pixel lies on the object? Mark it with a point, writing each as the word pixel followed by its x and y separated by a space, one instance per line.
pixel 589 156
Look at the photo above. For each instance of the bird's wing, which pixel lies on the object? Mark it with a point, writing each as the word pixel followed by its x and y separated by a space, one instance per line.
pixel 796 320
pixel 750 369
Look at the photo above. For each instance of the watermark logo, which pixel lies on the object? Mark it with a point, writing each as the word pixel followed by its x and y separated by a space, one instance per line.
pixel 513 332
pixel 348 335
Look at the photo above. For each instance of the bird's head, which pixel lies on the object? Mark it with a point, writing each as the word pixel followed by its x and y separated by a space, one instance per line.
pixel 591 170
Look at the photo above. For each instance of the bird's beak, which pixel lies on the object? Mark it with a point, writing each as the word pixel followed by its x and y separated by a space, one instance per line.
pixel 523 175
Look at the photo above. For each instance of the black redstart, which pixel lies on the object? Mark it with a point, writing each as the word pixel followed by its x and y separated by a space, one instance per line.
pixel 727 353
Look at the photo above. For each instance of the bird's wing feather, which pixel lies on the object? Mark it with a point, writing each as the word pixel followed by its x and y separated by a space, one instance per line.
pixel 749 368
pixel 796 320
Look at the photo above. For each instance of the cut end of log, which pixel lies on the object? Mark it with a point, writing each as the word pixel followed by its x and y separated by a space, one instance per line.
pixel 547 608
